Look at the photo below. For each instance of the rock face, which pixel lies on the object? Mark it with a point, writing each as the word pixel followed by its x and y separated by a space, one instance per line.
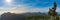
pixel 8 16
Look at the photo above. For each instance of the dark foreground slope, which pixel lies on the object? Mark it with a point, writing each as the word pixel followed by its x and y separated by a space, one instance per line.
pixel 23 16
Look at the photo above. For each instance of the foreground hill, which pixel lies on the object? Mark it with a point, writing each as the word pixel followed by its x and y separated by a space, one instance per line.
pixel 24 16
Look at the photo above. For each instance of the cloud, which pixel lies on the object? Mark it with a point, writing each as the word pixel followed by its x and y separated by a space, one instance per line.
pixel 20 8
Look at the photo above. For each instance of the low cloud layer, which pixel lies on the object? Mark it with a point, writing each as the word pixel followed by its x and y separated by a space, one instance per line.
pixel 20 9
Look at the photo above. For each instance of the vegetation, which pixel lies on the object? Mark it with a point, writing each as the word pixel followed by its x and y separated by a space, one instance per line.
pixel 13 16
pixel 35 17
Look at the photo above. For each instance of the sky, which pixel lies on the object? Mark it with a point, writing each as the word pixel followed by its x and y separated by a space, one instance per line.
pixel 20 6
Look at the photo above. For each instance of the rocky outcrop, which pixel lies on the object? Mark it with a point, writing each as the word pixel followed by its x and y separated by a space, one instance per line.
pixel 8 16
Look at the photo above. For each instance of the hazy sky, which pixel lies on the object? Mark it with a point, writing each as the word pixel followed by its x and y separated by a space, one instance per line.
pixel 19 6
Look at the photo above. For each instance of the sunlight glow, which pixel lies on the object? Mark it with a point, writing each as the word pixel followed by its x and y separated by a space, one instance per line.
pixel 8 1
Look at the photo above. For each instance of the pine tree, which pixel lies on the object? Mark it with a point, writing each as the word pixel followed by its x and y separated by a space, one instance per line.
pixel 52 12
